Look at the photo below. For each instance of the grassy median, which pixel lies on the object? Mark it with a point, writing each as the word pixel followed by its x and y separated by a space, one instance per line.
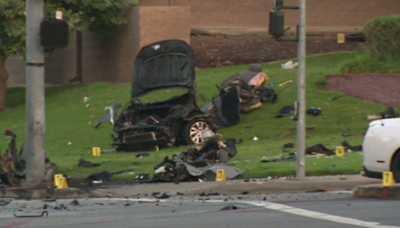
pixel 70 134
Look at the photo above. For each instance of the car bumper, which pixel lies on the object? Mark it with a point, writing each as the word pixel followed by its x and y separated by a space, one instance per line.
pixel 372 174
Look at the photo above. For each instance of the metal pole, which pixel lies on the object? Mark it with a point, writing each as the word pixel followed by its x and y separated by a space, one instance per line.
pixel 35 128
pixel 301 92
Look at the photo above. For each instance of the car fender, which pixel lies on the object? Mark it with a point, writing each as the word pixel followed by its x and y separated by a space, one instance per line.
pixel 380 144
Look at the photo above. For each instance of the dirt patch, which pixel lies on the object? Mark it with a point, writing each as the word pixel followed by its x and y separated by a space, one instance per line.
pixel 378 88
pixel 222 50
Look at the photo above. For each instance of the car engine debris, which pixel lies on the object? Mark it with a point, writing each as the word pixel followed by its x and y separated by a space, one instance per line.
pixel 198 163
pixel 11 157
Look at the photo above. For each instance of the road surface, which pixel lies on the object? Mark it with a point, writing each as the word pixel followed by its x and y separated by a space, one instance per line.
pixel 313 210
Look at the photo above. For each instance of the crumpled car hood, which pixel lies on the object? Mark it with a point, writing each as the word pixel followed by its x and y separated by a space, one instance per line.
pixel 161 65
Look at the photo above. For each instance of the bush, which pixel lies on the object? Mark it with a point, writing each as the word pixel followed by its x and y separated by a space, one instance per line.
pixel 383 37
pixel 383 43
pixel 368 64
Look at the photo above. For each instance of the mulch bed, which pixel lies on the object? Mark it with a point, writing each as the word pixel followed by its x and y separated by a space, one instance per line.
pixel 223 50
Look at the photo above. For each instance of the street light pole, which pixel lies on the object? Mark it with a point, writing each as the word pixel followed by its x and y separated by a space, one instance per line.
pixel 301 92
pixel 35 97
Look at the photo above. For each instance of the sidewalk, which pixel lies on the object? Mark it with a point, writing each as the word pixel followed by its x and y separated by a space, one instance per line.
pixel 235 187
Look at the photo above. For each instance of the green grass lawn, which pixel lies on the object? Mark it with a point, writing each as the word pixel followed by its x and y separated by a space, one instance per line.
pixel 68 120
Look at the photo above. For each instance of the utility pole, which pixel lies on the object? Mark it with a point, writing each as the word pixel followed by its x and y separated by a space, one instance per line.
pixel 35 98
pixel 301 92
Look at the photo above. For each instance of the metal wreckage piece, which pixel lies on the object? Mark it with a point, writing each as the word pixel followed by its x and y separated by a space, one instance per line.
pixel 11 158
pixel 198 163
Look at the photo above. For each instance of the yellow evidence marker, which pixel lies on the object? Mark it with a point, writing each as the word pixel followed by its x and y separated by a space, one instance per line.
pixel 340 151
pixel 387 179
pixel 96 151
pixel 60 181
pixel 340 38
pixel 220 175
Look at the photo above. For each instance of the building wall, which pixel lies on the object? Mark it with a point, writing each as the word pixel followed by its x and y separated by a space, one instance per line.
pixel 110 59
pixel 59 68
pixel 254 14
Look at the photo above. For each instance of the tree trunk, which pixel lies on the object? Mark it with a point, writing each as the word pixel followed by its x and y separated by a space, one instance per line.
pixel 3 82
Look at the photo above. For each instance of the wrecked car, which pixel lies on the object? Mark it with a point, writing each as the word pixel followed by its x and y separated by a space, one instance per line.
pixel 153 125
pixel 240 93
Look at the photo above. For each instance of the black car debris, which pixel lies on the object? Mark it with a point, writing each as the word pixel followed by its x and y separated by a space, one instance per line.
pixel 197 163
pixel 13 163
pixel 176 121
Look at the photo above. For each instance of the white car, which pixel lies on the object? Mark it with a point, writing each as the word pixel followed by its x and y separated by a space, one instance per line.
pixel 381 148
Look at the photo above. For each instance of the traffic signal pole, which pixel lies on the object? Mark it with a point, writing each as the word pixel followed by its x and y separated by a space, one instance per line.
pixel 34 150
pixel 301 92
pixel 276 29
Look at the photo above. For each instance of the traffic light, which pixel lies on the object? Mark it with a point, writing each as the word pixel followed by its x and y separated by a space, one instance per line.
pixel 276 23
pixel 54 33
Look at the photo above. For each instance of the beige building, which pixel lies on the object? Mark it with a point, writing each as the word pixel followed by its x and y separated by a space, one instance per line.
pixel 111 59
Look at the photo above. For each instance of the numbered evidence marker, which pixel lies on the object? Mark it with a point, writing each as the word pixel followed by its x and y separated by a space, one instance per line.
pixel 340 38
pixel 340 151
pixel 220 175
pixel 387 180
pixel 96 151
pixel 60 181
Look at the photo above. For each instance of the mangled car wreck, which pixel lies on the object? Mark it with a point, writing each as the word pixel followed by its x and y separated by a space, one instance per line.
pixel 178 120
pixel 149 126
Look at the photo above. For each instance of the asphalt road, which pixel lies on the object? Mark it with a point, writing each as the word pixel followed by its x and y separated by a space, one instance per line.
pixel 328 210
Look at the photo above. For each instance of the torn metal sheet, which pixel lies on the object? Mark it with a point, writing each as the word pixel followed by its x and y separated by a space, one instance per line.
pixel 200 162
pixel 209 172
pixel 14 177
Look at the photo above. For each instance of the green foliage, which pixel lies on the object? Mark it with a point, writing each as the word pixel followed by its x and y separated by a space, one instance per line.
pixel 383 37
pixel 12 27
pixel 383 42
pixel 100 17
pixel 368 64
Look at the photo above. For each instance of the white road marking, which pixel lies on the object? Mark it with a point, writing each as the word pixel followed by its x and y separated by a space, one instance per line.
pixel 315 215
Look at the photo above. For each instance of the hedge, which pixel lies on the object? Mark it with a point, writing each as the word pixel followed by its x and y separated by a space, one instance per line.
pixel 383 37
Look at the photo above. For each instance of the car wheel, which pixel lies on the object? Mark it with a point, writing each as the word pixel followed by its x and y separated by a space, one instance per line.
pixel 191 131
pixel 396 167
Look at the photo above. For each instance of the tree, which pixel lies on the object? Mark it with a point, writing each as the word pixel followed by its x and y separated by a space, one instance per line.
pixel 99 16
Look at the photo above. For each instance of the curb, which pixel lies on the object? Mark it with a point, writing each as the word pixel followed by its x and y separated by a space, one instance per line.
pixel 252 187
pixel 26 193
pixel 377 192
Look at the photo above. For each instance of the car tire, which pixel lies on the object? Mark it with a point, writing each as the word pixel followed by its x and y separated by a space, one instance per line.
pixel 191 131
pixel 395 167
